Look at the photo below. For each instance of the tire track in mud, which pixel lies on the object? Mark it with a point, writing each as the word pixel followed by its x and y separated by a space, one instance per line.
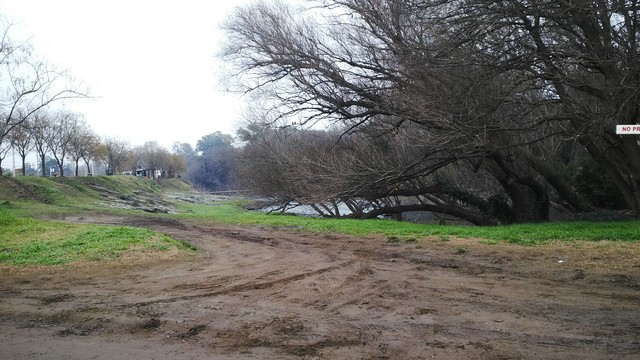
pixel 258 292
pixel 242 287
pixel 286 251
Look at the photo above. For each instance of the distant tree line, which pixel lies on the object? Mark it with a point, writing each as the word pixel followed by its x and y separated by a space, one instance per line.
pixel 33 119
pixel 490 111
pixel 64 138
pixel 211 165
pixel 64 141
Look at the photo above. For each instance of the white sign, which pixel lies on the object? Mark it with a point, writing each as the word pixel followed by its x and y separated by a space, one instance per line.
pixel 628 129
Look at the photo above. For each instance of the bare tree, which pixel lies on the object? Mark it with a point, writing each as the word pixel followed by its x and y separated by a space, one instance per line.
pixel 39 128
pixel 80 143
pixel 152 156
pixel 369 173
pixel 93 150
pixel 21 139
pixel 5 146
pixel 584 56
pixel 176 164
pixel 365 70
pixel 28 84
pixel 117 152
pixel 64 127
pixel 485 84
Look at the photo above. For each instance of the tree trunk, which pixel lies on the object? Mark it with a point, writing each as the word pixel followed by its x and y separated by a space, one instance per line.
pixel 632 151
pixel 42 164
pixel 626 178
pixel 562 188
pixel 529 199
pixel 24 168
pixel 87 162
pixel 528 204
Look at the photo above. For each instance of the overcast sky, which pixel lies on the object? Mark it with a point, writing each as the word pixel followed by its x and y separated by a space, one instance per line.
pixel 151 64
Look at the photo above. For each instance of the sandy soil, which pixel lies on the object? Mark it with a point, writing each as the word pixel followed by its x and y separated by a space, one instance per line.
pixel 262 293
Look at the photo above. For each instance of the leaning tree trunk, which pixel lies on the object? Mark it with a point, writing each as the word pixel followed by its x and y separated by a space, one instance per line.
pixel 565 192
pixel 624 171
pixel 529 199
pixel 87 163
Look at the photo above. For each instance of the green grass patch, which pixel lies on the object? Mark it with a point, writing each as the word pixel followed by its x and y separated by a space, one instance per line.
pixel 73 189
pixel 32 196
pixel 525 234
pixel 25 241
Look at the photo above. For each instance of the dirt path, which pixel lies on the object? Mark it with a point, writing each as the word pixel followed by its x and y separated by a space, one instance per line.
pixel 259 293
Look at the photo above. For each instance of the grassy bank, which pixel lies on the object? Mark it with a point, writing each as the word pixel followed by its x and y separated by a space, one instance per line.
pixel 33 196
pixel 525 234
pixel 25 241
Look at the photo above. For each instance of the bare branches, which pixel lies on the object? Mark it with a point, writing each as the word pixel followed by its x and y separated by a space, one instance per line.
pixel 28 85
pixel 421 89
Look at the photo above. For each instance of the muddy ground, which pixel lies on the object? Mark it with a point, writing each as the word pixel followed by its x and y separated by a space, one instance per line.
pixel 263 293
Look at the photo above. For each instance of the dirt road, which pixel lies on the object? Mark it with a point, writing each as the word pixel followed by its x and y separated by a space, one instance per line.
pixel 261 293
